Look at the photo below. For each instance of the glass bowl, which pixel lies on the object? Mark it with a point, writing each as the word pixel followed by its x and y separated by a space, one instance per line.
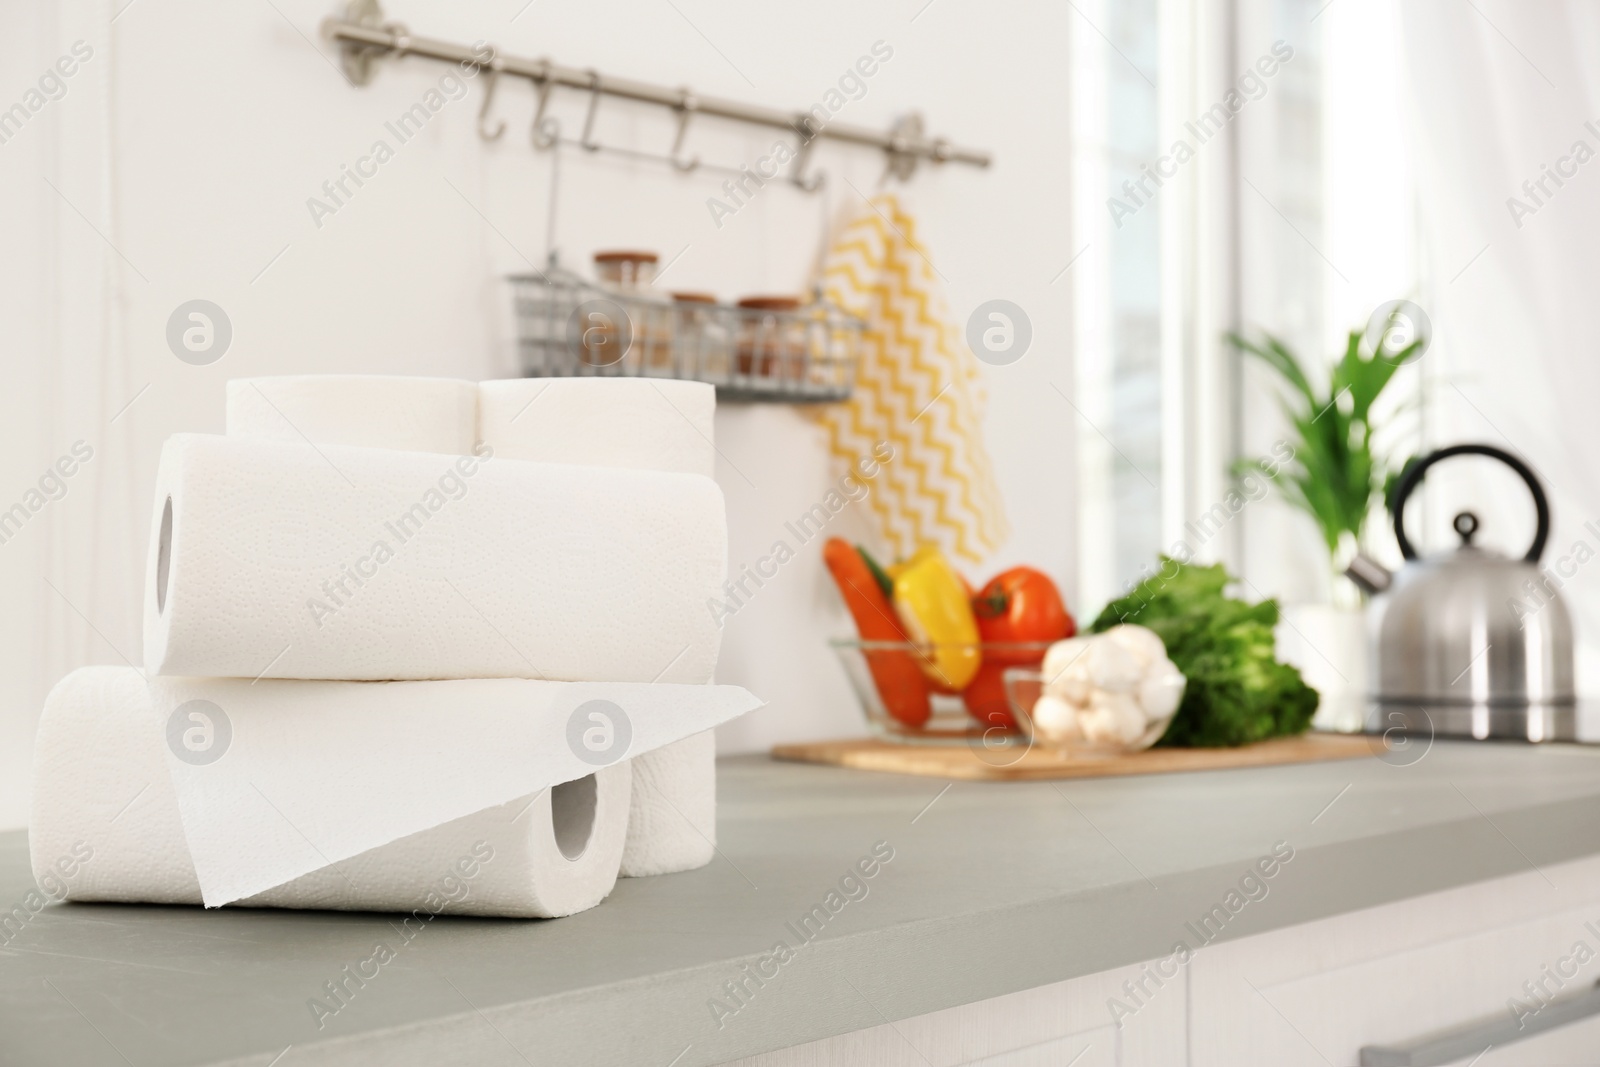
pixel 1025 685
pixel 949 722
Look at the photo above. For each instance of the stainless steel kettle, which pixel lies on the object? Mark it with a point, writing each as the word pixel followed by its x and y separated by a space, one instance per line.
pixel 1471 643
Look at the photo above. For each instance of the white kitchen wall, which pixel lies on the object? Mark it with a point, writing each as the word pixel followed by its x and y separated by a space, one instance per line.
pixel 178 162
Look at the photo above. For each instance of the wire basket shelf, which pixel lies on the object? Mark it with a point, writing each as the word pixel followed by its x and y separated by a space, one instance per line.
pixel 568 326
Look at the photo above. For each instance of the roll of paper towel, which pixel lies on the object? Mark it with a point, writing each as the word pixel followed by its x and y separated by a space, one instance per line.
pixel 641 424
pixel 638 423
pixel 555 859
pixel 188 790
pixel 413 414
pixel 369 410
pixel 672 818
pixel 106 826
pixel 301 561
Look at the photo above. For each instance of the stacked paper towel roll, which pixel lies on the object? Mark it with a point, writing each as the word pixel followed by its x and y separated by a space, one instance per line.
pixel 103 789
pixel 371 411
pixel 363 563
pixel 645 424
pixel 622 424
pixel 342 794
pixel 640 424
pixel 353 529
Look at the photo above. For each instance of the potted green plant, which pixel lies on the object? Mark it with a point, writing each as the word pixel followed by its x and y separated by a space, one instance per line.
pixel 1338 479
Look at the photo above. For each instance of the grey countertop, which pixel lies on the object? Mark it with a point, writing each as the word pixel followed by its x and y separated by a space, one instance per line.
pixel 993 888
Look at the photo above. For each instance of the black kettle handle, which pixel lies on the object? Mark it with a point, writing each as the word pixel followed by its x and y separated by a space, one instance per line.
pixel 1413 475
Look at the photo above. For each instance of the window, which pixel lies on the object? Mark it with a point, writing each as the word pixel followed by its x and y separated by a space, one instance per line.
pixel 1288 213
pixel 1117 292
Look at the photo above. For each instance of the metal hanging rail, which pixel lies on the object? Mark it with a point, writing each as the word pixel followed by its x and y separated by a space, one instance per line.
pixel 364 36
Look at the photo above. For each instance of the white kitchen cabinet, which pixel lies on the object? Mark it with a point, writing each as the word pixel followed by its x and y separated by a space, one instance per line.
pixel 1312 995
pixel 1577 1045
pixel 1051 1026
pixel 1316 994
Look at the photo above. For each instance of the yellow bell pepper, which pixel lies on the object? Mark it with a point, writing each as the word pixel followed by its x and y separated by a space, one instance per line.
pixel 936 610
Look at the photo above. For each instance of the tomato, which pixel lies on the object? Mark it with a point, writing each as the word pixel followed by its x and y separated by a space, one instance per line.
pixel 985 696
pixel 1020 605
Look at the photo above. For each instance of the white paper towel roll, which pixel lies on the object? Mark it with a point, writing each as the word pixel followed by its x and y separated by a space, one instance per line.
pixel 540 857
pixel 672 819
pixel 622 422
pixel 105 825
pixel 102 795
pixel 401 783
pixel 638 423
pixel 642 424
pixel 368 410
pixel 535 875
pixel 299 561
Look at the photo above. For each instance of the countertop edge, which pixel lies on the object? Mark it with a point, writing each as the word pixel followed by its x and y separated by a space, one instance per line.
pixel 849 982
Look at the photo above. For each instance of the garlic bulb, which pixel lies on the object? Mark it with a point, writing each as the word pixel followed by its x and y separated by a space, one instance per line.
pixel 1109 688
pixel 1113 665
pixel 1113 718
pixel 1056 719
pixel 1140 642
pixel 1065 671
pixel 1161 690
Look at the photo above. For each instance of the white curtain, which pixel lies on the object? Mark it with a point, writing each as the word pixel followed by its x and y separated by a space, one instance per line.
pixel 70 574
pixel 1500 90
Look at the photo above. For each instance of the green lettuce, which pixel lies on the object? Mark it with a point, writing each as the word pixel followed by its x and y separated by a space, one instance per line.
pixel 1237 690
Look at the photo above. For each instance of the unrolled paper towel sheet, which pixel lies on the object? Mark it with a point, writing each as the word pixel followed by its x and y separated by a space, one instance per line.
pixel 643 424
pixel 300 561
pixel 368 410
pixel 379 783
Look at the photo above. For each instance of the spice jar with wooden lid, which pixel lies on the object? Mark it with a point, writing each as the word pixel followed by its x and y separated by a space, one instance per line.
pixel 700 340
pixel 625 269
pixel 771 337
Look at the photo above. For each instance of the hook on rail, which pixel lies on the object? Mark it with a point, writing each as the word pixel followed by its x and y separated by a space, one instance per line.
pixel 808 137
pixel 687 105
pixel 544 132
pixel 587 140
pixel 493 72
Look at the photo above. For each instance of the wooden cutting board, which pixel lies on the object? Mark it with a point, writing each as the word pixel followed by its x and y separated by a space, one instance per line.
pixel 961 761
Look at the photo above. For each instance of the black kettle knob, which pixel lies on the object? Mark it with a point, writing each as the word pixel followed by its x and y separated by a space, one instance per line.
pixel 1466 523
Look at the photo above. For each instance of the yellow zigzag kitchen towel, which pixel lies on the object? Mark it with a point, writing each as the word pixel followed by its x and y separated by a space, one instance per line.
pixel 917 387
